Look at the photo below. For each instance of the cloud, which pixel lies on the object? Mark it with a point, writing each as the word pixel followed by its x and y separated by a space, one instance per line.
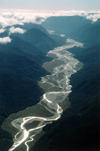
pixel 16 30
pixel 19 17
pixel 5 40
pixel 51 32
pixel 62 35
pixel 11 18
pixel 93 17
pixel 2 30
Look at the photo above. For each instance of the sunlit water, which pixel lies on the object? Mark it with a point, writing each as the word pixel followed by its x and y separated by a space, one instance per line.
pixel 56 86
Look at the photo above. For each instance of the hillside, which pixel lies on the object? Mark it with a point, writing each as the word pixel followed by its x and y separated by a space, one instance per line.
pixel 21 68
pixel 75 27
pixel 18 73
pixel 39 39
pixel 78 129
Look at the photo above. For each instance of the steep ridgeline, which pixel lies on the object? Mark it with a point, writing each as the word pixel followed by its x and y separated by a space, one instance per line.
pixel 25 26
pixel 38 38
pixel 18 73
pixel 18 84
pixel 28 26
pixel 76 27
pixel 25 48
pixel 79 127
pixel 20 69
pixel 35 35
pixel 56 88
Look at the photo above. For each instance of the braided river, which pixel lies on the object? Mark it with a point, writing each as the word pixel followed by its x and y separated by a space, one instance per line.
pixel 56 88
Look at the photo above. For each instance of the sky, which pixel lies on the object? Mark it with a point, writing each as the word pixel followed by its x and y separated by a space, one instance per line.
pixel 86 5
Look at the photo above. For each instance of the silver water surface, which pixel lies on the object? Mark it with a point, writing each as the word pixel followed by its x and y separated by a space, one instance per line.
pixel 56 86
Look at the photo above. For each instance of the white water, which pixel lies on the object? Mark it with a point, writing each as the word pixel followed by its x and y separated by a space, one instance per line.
pixel 57 87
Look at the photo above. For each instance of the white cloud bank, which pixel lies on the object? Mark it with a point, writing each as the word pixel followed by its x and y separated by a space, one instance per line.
pixel 5 40
pixel 2 31
pixel 17 30
pixel 93 17
pixel 10 18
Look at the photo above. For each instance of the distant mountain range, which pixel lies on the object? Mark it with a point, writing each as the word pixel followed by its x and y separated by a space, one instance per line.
pixel 76 27
pixel 21 68
pixel 79 127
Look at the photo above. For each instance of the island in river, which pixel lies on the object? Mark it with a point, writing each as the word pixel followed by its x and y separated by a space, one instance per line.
pixel 29 123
